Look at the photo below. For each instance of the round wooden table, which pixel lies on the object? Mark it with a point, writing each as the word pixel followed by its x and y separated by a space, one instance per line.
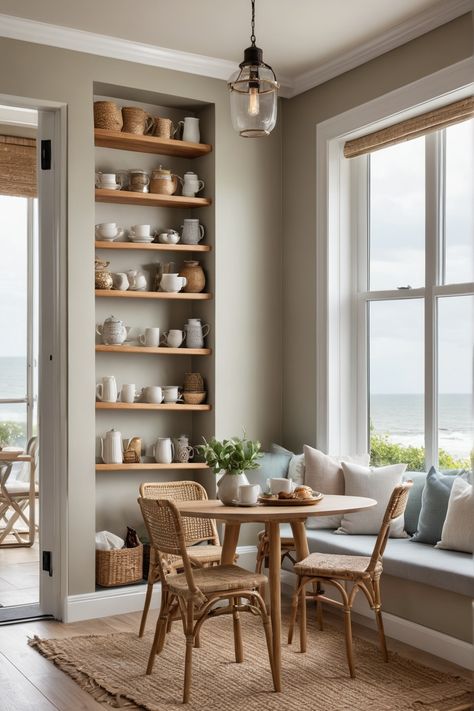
pixel 272 517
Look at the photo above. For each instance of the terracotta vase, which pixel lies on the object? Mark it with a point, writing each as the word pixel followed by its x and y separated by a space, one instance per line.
pixel 194 273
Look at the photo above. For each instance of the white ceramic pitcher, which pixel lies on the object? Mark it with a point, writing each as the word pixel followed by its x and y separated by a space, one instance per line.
pixel 111 447
pixel 106 390
pixel 164 450
pixel 195 333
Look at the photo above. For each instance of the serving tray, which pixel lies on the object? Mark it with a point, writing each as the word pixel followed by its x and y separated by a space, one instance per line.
pixel 270 501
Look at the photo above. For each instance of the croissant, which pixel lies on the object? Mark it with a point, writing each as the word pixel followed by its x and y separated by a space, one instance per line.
pixel 303 492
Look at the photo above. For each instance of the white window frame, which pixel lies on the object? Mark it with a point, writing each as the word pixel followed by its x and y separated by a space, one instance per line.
pixel 341 397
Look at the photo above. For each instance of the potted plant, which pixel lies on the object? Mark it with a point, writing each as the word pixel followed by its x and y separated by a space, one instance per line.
pixel 234 457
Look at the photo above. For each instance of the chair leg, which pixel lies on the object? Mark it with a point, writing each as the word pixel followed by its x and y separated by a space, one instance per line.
pixel 238 647
pixel 189 652
pixel 159 632
pixel 348 635
pixel 319 606
pixel 293 613
pixel 379 620
pixel 302 606
pixel 268 636
pixel 149 592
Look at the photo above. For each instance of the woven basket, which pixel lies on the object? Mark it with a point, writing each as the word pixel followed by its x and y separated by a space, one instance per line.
pixel 193 382
pixel 119 567
pixel 137 121
pixel 107 115
pixel 164 127
pixel 191 397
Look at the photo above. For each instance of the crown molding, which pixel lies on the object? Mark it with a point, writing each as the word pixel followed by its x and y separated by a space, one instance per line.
pixel 423 22
pixel 19 28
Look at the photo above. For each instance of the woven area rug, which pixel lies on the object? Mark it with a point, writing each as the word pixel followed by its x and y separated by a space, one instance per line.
pixel 111 668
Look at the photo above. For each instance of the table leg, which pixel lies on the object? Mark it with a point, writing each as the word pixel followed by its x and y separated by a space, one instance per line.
pixel 231 538
pixel 275 596
pixel 302 550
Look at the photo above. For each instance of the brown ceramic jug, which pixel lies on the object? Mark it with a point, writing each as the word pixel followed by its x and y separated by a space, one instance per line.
pixel 194 273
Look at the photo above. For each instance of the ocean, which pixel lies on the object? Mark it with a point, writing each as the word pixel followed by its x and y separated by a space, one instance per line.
pixel 399 416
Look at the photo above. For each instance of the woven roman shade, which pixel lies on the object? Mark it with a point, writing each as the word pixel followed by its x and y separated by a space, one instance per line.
pixel 18 166
pixel 411 128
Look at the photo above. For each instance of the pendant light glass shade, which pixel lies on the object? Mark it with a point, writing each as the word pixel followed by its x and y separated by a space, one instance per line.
pixel 253 93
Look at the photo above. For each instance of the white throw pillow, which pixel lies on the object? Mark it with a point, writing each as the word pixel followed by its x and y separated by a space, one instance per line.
pixel 296 465
pixel 375 483
pixel 458 527
pixel 324 473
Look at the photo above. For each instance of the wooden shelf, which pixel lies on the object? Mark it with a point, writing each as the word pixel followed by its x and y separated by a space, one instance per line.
pixel 126 197
pixel 179 296
pixel 161 350
pixel 149 467
pixel 102 244
pixel 172 406
pixel 149 144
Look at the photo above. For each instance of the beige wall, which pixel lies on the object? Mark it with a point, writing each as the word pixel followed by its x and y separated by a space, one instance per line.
pixel 421 57
pixel 247 259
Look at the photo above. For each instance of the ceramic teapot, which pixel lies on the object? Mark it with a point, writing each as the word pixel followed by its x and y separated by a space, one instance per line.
pixel 169 237
pixel 163 181
pixel 111 447
pixel 113 331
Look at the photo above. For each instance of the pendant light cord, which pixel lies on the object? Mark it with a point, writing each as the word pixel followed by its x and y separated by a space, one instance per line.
pixel 253 39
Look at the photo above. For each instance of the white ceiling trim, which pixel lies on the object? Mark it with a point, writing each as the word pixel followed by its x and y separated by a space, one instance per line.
pixel 15 116
pixel 422 23
pixel 105 46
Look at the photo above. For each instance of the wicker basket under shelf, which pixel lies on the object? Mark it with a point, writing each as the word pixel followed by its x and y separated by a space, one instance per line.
pixel 119 567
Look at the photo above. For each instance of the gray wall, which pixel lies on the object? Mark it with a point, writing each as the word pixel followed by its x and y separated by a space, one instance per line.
pixel 247 260
pixel 431 52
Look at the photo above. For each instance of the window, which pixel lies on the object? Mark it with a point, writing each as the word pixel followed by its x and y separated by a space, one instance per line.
pixel 416 274
pixel 18 297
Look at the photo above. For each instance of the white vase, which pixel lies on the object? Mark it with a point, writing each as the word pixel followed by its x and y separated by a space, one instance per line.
pixel 228 487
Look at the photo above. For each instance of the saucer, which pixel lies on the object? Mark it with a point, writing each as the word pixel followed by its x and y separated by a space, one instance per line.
pixel 236 502
pixel 141 240
pixel 110 187
pixel 101 238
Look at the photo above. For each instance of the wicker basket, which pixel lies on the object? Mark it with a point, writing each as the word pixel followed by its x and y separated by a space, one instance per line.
pixel 137 121
pixel 107 115
pixel 119 567
pixel 193 382
pixel 164 127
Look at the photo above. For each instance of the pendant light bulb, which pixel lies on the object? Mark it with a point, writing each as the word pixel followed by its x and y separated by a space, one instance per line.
pixel 253 92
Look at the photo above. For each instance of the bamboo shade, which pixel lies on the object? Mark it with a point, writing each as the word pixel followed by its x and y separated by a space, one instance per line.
pixel 18 166
pixel 411 128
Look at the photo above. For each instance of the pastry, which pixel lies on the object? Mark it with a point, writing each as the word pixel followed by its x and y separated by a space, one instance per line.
pixel 285 495
pixel 303 492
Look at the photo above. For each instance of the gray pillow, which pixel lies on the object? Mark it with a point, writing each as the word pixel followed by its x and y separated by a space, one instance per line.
pixel 434 505
pixel 272 464
pixel 412 511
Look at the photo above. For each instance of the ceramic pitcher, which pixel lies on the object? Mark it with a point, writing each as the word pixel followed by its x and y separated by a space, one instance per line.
pixel 106 391
pixel 195 333
pixel 164 450
pixel 111 447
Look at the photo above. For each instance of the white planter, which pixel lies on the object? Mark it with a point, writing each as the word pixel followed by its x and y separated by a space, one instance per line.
pixel 228 487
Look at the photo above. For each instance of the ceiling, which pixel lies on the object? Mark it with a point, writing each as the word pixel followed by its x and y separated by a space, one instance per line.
pixel 297 36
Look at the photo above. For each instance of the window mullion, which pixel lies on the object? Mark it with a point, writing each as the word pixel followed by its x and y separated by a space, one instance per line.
pixel 30 355
pixel 434 180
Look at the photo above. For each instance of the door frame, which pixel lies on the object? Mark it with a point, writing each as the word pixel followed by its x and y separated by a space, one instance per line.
pixel 52 371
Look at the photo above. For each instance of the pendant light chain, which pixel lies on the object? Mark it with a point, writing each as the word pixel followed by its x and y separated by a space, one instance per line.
pixel 253 39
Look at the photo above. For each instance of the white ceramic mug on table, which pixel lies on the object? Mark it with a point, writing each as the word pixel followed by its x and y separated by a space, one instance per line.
pixel 248 494
pixel 280 484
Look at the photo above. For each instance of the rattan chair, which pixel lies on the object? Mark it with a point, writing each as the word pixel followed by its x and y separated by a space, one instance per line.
pixel 196 530
pixel 197 593
pixel 340 571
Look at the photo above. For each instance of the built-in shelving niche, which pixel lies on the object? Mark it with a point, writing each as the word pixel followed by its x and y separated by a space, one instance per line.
pixel 117 489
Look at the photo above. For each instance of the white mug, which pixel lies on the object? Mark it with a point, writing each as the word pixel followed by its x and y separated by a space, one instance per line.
pixel 171 393
pixel 173 338
pixel 248 494
pixel 150 338
pixel 108 231
pixel 172 282
pixel 153 393
pixel 141 230
pixel 107 390
pixel 127 393
pixel 280 484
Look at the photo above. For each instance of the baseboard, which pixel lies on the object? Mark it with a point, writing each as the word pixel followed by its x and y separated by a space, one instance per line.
pixel 118 601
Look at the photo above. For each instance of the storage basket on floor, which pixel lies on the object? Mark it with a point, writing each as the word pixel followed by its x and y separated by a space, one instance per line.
pixel 119 567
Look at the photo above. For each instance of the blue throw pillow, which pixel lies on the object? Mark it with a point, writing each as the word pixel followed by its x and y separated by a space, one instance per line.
pixel 271 465
pixel 412 511
pixel 434 505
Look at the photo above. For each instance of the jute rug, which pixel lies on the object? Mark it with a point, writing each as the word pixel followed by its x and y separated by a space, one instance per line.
pixel 111 668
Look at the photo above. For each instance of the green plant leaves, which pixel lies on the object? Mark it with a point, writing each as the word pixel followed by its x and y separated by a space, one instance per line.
pixel 233 455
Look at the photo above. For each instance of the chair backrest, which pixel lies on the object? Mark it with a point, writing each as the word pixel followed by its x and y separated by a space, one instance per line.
pixel 195 529
pixel 165 529
pixel 395 508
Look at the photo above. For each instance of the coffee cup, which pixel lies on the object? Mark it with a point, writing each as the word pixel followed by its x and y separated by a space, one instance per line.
pixel 248 494
pixel 171 393
pixel 108 181
pixel 140 230
pixel 151 338
pixel 280 484
pixel 153 394
pixel 173 338
pixel 108 231
pixel 127 393
pixel 172 282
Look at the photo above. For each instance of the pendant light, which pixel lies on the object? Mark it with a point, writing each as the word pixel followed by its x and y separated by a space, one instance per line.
pixel 253 92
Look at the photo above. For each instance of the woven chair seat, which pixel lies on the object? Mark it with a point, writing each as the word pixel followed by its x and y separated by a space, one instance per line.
pixel 201 554
pixel 286 541
pixel 329 565
pixel 219 578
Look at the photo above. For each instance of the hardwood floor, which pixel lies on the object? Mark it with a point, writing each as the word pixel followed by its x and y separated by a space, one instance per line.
pixel 28 682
